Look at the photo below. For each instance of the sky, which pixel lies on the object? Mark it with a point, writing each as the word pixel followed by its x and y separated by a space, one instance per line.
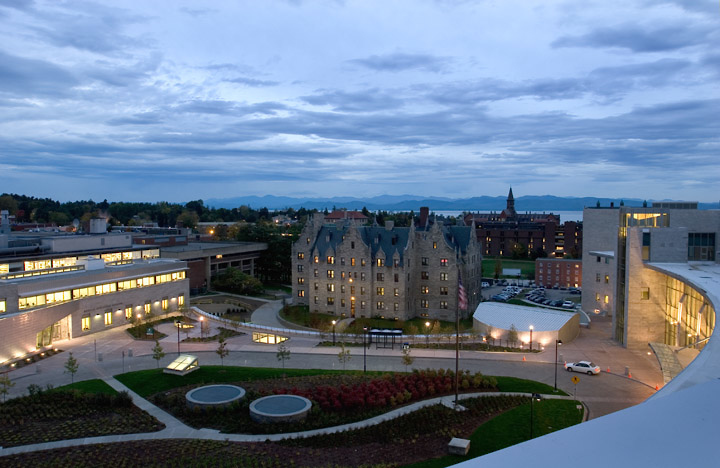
pixel 169 100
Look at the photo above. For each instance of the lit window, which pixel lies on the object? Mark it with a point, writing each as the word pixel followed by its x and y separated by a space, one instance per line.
pixel 443 304
pixel 331 273
pixel 396 306
pixel 165 303
pixel 424 304
pixel 380 262
pixel 396 292
pixel 331 287
pixel 380 305
pixel 425 290
pixel 434 245
pixel 352 261
pixel 597 297
pixel 362 262
pixel 424 275
pixel 380 291
pixel 316 273
pixel 301 280
pixel 444 262
pixel 181 300
pixel 330 260
pixel 316 259
pixel 301 256
pixel 330 300
pixel 645 294
pixel 607 298
pixel 301 293
pixel 128 312
pixel 108 318
pixel 316 299
pixel 443 276
pixel 86 323
pixel 444 291
pixel 362 304
pixel 607 279
pixel 148 307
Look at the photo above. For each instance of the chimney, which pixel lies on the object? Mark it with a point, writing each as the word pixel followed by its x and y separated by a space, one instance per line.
pixel 424 214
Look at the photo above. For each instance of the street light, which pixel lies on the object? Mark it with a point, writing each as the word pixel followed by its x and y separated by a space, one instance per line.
pixel 538 397
pixel 557 343
pixel 427 334
pixel 333 324
pixel 177 324
pixel 531 329
pixel 202 328
pixel 364 350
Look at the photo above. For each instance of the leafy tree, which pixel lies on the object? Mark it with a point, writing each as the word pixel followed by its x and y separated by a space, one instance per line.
pixel 5 385
pixel 222 350
pixel 498 267
pixel 283 354
pixel 344 355
pixel 235 281
pixel 7 202
pixel 406 358
pixel 71 367
pixel 519 251
pixel 189 219
pixel 157 352
pixel 512 335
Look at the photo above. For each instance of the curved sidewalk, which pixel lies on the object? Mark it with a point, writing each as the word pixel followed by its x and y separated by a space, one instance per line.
pixel 176 429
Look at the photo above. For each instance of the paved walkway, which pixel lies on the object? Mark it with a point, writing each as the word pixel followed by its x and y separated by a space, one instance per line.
pixel 176 429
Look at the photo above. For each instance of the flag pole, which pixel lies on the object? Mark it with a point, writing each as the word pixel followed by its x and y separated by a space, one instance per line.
pixel 457 336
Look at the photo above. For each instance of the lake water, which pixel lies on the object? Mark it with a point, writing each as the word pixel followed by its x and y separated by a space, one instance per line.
pixel 564 215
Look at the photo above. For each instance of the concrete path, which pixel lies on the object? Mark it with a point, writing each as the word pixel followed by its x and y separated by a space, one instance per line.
pixel 175 429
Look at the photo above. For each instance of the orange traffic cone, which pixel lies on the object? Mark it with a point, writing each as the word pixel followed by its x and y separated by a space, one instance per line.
pixel 629 375
pixel 657 387
pixel 608 370
pixel 524 358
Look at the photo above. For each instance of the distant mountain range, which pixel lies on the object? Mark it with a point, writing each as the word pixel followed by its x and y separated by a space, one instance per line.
pixel 414 202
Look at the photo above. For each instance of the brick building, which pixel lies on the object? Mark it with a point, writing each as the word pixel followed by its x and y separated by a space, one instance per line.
pixel 536 234
pixel 561 272
pixel 345 269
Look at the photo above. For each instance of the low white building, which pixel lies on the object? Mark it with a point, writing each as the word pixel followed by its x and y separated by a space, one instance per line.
pixel 497 318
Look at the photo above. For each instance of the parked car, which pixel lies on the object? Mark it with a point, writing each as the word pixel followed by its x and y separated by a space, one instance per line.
pixel 586 367
pixel 568 305
pixel 484 284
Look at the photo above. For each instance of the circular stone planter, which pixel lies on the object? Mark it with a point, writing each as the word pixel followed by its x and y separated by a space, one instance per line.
pixel 214 396
pixel 279 408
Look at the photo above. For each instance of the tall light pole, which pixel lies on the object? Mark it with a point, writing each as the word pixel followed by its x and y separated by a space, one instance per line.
pixel 533 397
pixel 177 324
pixel 557 343
pixel 427 334
pixel 531 330
pixel 333 324
pixel 364 350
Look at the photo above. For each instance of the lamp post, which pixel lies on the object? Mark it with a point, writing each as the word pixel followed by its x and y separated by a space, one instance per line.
pixel 427 334
pixel 177 324
pixel 535 396
pixel 202 327
pixel 333 324
pixel 531 330
pixel 364 350
pixel 557 343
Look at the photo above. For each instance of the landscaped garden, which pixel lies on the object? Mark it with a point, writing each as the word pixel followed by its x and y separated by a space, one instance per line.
pixel 85 409
pixel 338 397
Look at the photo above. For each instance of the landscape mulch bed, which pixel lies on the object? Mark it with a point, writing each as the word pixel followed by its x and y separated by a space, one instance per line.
pixel 415 437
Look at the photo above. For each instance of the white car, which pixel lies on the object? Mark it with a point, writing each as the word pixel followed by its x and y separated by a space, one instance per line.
pixel 585 367
pixel 484 284
pixel 568 305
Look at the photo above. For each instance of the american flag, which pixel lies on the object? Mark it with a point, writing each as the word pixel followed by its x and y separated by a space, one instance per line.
pixel 462 295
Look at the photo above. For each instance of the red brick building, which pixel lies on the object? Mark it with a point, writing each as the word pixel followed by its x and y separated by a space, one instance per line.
pixel 560 272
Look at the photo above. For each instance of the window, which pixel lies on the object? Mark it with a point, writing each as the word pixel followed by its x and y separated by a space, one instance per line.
pixel 317 286
pixel 434 245
pixel 330 260
pixel 331 273
pixel 424 303
pixel 380 291
pixel 301 293
pixel 316 299
pixel 362 276
pixel 352 244
pixel 86 323
pixel 607 298
pixel 425 261
pixel 598 259
pixel 300 268
pixel 148 307
pixel 352 261
pixel 444 291
pixel 342 261
pixel 362 290
pixel 316 259
pixel 380 305
pixel 342 302
pixel 352 290
pixel 381 276
pixel 362 262
pixel 397 278
pixel 645 294
pixel 396 292
pixel 396 306
pixel 380 262
pixel 128 312
pixel 424 275
pixel 301 280
pixel 396 262
pixel 701 246
pixel 597 297
pixel 443 304
pixel 607 279
pixel 331 287
pixel 301 256
pixel 424 290
pixel 108 318
pixel 443 276
pixel 330 301
pixel 597 277
pixel 444 262
pixel 362 304
pixel 181 300
pixel 164 303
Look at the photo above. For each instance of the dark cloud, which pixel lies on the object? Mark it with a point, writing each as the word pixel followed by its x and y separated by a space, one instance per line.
pixel 147 118
pixel 399 62
pixel 638 38
pixel 251 82
pixel 370 100
pixel 30 77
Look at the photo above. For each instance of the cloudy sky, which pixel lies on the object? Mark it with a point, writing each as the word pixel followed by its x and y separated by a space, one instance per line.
pixel 170 100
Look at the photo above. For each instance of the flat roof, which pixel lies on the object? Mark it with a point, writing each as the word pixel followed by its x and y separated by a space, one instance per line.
pixel 200 246
pixel 503 316
pixel 603 253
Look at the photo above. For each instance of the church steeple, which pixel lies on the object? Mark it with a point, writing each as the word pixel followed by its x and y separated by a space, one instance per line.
pixel 510 204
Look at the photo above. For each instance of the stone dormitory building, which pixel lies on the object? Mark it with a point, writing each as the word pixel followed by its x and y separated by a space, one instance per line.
pixel 348 269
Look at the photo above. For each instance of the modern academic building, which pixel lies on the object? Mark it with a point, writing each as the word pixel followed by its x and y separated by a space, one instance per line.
pixel 41 307
pixel 659 268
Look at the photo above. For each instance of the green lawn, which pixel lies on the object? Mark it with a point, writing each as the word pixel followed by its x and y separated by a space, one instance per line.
pixel 513 384
pixel 513 427
pixel 527 267
pixel 151 381
pixel 90 386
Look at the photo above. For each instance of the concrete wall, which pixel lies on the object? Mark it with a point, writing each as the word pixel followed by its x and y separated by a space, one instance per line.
pixel 600 233
pixel 79 243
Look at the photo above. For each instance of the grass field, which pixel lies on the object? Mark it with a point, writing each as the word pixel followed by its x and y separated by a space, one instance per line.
pixel 527 267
